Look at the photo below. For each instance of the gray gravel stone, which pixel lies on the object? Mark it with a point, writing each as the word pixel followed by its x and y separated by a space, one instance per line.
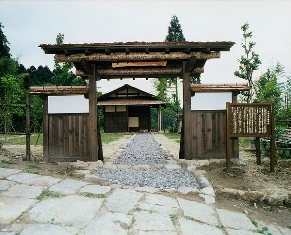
pixel 143 152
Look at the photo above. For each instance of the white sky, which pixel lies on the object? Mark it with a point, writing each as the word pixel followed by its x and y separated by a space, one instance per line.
pixel 31 23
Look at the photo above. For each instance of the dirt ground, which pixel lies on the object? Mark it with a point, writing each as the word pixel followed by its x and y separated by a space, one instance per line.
pixel 247 178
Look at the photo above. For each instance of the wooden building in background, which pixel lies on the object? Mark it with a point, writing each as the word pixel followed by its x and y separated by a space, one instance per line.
pixel 128 109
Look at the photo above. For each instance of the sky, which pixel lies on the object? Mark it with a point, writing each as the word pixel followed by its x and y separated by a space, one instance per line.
pixel 27 24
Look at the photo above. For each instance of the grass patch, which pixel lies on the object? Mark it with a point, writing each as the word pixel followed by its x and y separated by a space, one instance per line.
pixel 7 162
pixel 174 218
pixel 138 209
pixel 32 168
pixel 21 139
pixel 173 136
pixel 92 195
pixel 108 137
pixel 47 193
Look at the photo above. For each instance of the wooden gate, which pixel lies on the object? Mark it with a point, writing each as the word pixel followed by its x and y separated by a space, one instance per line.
pixel 67 137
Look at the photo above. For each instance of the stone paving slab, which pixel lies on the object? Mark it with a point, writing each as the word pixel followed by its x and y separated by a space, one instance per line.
pixel 155 233
pixel 198 211
pixel 191 227
pixel 68 186
pixel 146 189
pixel 44 229
pixel 4 172
pixel 95 189
pixel 12 208
pixel 34 179
pixel 235 220
pixel 23 191
pixel 6 184
pixel 70 210
pixel 152 222
pixel 109 223
pixel 161 200
pixel 158 208
pixel 243 232
pixel 123 200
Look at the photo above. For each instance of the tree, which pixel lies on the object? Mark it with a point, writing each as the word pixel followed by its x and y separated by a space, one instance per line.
pixel 7 64
pixel 268 89
pixel 9 100
pixel 62 74
pixel 175 33
pixel 249 62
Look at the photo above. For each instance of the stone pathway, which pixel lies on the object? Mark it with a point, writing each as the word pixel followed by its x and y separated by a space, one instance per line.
pixel 34 204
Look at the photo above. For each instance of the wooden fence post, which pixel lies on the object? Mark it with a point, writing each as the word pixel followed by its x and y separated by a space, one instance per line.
pixel 28 126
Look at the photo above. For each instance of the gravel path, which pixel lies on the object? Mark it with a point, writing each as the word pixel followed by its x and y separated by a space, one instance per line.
pixel 144 149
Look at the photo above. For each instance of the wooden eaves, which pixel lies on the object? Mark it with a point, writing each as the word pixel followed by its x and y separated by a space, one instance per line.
pixel 59 90
pixel 218 87
pixel 137 59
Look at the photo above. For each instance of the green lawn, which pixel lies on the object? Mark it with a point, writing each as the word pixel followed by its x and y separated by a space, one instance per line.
pixel 21 139
pixel 173 136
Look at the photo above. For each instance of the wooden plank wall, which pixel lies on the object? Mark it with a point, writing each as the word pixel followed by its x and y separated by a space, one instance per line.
pixel 208 130
pixel 68 138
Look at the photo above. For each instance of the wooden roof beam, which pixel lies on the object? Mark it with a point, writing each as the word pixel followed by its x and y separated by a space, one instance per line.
pixel 218 87
pixel 137 56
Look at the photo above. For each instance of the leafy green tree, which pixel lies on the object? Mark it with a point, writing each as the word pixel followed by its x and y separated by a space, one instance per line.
pixel 268 88
pixel 249 62
pixel 9 100
pixel 62 74
pixel 7 64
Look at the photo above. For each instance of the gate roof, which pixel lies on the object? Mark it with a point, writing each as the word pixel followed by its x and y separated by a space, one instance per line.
pixel 137 59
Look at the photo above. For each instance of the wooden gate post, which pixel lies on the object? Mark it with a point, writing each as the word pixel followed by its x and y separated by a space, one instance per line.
pixel 45 129
pixel 93 118
pixel 28 126
pixel 187 140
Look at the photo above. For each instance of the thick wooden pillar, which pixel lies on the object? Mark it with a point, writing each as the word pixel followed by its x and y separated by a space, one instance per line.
pixel 93 117
pixel 28 126
pixel 186 121
pixel 45 129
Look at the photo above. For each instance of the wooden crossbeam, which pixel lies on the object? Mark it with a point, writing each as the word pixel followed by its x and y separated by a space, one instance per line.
pixel 144 72
pixel 139 63
pixel 137 56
